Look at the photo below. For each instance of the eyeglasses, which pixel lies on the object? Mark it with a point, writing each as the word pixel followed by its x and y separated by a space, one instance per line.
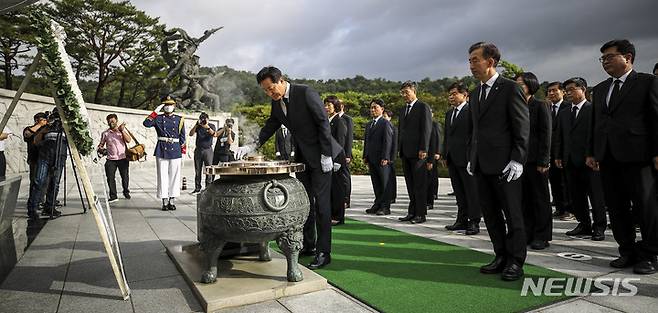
pixel 608 57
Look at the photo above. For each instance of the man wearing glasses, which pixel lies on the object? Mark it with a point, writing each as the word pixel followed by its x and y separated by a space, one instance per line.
pixel 623 146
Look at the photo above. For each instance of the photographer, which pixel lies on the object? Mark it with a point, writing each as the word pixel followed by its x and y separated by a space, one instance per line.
pixel 225 137
pixel 51 160
pixel 203 153
pixel 40 120
pixel 115 138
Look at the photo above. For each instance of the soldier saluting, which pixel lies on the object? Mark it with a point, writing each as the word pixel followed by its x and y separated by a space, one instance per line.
pixel 169 150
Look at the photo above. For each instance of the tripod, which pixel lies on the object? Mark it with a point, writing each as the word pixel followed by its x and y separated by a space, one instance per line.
pixel 57 165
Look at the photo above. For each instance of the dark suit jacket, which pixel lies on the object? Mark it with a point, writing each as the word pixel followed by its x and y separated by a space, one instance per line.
pixel 571 141
pixel 338 129
pixel 628 127
pixel 501 127
pixel 350 135
pixel 414 130
pixel 307 121
pixel 435 142
pixel 378 141
pixel 394 144
pixel 539 145
pixel 457 137
pixel 563 106
pixel 283 145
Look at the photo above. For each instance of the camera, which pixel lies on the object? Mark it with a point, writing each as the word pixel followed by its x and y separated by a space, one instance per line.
pixel 229 123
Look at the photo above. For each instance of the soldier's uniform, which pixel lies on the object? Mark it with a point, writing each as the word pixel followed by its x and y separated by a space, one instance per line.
pixel 168 153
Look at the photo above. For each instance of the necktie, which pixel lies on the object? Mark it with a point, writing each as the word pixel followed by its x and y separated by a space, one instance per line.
pixel 483 93
pixel 284 106
pixel 284 133
pixel 408 109
pixel 555 108
pixel 373 123
pixel 615 92
pixel 574 113
pixel 454 115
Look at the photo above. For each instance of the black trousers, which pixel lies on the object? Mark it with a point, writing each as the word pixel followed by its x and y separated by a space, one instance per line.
pixel 415 176
pixel 433 183
pixel 536 204
pixel 584 183
pixel 500 202
pixel 202 158
pixel 623 184
pixel 392 186
pixel 559 190
pixel 3 164
pixel 468 206
pixel 380 177
pixel 338 191
pixel 110 171
pixel 317 229
pixel 348 182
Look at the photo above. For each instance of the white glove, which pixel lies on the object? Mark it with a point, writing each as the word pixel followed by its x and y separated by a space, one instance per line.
pixel 292 153
pixel 326 163
pixel 468 169
pixel 277 154
pixel 159 108
pixel 336 167
pixel 240 152
pixel 513 170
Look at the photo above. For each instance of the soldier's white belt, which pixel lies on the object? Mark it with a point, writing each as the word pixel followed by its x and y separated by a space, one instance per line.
pixel 169 140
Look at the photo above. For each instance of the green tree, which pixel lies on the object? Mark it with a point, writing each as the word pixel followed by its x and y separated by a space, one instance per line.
pixel 15 39
pixel 107 28
pixel 510 70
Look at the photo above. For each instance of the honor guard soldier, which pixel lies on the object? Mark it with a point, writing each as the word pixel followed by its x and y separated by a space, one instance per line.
pixel 169 150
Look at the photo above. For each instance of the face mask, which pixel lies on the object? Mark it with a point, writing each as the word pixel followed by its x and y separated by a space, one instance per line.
pixel 169 108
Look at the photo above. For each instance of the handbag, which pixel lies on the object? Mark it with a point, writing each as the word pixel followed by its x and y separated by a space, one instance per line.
pixel 137 152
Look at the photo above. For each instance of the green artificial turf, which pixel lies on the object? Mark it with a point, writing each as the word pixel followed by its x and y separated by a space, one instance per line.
pixel 393 271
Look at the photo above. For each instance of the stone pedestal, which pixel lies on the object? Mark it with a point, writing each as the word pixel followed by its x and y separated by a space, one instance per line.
pixel 9 188
pixel 242 280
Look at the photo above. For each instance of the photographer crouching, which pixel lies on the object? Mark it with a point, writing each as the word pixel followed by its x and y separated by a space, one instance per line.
pixel 115 139
pixel 203 153
pixel 225 137
pixel 53 146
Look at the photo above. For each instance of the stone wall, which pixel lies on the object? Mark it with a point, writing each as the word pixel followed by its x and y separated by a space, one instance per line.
pixel 30 104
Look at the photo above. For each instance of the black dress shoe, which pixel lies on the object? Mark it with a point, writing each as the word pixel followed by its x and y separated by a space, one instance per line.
pixel 496 266
pixel 472 228
pixel 430 206
pixel 418 220
pixel 598 236
pixel 321 259
pixel 622 262
pixel 580 230
pixel 385 211
pixel 539 244
pixel 644 268
pixel 165 207
pixel 512 272
pixel 457 226
pixel 407 218
pixel 307 252
pixel 372 210
pixel 171 207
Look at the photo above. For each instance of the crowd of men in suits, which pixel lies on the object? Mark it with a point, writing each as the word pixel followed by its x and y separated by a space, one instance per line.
pixel 503 147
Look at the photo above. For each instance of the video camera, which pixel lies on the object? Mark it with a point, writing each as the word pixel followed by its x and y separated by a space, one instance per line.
pixel 54 120
pixel 229 123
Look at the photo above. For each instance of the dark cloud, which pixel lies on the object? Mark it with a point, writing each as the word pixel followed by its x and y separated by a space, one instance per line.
pixel 412 39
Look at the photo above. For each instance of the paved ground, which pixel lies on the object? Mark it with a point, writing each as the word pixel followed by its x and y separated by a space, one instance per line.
pixel 65 269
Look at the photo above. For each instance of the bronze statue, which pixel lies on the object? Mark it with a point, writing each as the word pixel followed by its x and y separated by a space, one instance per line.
pixel 192 90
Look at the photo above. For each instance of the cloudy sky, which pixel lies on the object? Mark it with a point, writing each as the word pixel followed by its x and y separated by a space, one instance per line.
pixel 411 39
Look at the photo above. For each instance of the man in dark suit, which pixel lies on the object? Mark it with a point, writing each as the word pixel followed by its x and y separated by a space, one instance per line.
pixel 414 129
pixel 433 164
pixel 571 146
pixel 536 197
pixel 556 176
pixel 392 186
pixel 348 151
pixel 457 130
pixel 300 109
pixel 499 148
pixel 338 179
pixel 377 144
pixel 283 144
pixel 624 147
